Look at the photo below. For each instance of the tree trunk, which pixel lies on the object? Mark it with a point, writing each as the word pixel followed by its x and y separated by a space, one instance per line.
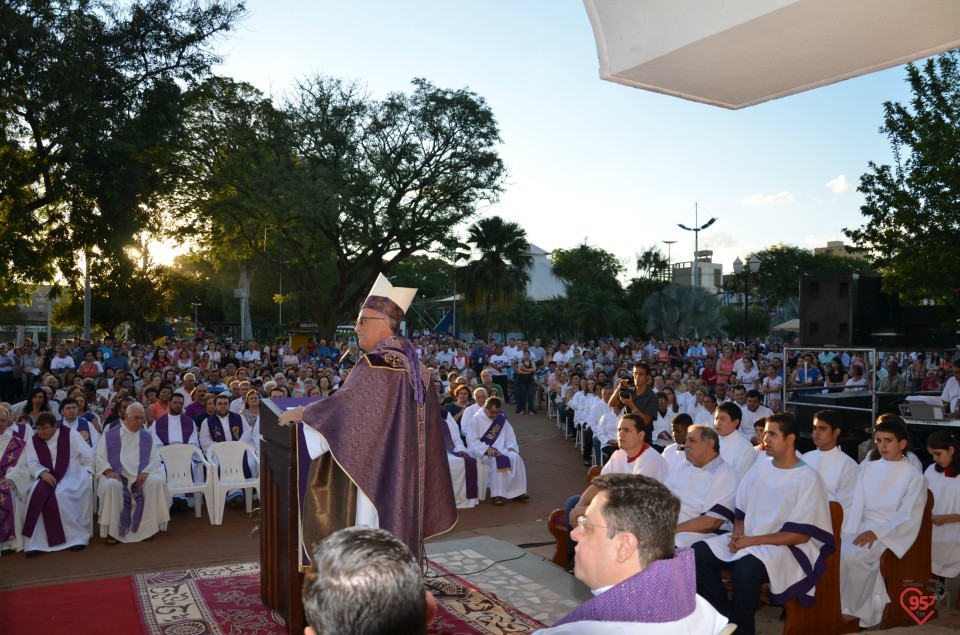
pixel 246 329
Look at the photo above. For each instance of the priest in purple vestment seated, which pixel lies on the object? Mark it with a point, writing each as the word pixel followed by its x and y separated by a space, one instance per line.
pixel 626 555
pixel 377 444
pixel 60 500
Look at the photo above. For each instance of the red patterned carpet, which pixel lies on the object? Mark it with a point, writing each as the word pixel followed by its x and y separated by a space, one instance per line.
pixel 218 600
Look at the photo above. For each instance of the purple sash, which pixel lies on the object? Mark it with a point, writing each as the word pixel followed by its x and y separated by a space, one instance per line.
pixel 83 427
pixel 134 493
pixel 187 428
pixel 216 434
pixel 9 458
pixel 44 499
pixel 490 437
pixel 470 463
pixel 20 431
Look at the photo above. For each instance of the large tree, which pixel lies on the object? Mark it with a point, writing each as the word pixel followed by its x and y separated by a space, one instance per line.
pixel 500 273
pixel 339 185
pixel 91 103
pixel 912 208
pixel 683 312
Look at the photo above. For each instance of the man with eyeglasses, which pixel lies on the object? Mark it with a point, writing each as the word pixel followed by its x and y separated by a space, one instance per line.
pixel 377 451
pixel 626 555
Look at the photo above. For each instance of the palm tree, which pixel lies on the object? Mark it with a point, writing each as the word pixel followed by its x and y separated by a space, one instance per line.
pixel 501 273
pixel 683 312
pixel 597 311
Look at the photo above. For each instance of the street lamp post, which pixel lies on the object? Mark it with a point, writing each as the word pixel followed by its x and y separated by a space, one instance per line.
pixel 696 229
pixel 196 313
pixel 752 267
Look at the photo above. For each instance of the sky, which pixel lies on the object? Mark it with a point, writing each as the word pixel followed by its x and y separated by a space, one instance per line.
pixel 590 160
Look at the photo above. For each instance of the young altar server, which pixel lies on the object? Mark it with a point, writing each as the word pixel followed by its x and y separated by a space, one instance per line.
pixel 491 437
pixel 942 480
pixel 886 513
pixel 60 501
pixel 782 533
pixel 134 501
pixel 840 473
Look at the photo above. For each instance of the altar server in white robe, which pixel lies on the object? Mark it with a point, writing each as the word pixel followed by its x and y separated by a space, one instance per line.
pixel 942 480
pixel 14 483
pixel 734 447
pixel 886 514
pixel 706 487
pixel 71 419
pixel 782 533
pixel 465 485
pixel 839 472
pixel 675 452
pixel 479 399
pixel 753 411
pixel 490 437
pixel 636 455
pixel 60 500
pixel 134 501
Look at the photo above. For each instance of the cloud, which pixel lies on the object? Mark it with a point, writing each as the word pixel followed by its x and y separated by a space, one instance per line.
pixel 769 199
pixel 718 240
pixel 838 185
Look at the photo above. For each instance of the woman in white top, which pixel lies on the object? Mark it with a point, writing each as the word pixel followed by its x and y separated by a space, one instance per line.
pixel 772 388
pixel 749 375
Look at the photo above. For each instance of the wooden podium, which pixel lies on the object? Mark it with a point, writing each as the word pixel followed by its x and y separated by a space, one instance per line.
pixel 280 576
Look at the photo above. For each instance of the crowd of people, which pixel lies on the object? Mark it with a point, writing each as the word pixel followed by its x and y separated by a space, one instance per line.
pixel 703 418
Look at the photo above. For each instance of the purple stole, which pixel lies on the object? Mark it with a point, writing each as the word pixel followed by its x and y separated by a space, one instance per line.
pixel 663 592
pixel 44 499
pixel 20 431
pixel 162 426
pixel 134 493
pixel 470 463
pixel 83 427
pixel 490 437
pixel 216 433
pixel 7 461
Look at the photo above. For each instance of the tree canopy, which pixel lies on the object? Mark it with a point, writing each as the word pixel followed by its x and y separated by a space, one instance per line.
pixel 91 100
pixel 912 208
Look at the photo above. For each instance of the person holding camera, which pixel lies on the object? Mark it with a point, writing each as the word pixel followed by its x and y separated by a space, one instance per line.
pixel 639 397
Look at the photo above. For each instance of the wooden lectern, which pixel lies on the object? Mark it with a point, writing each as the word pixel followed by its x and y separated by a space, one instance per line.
pixel 280 576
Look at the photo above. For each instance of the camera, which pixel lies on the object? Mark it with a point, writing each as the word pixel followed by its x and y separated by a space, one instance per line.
pixel 624 393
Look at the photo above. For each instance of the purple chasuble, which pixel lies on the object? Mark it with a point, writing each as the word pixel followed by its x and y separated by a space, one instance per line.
pixel 663 592
pixel 134 493
pixel 383 427
pixel 490 437
pixel 470 465
pixel 7 461
pixel 162 426
pixel 44 499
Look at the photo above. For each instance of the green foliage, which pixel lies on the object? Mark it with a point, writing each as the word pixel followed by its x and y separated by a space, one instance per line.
pixel 912 208
pixel 338 185
pixel 500 274
pixel 758 322
pixel 683 312
pixel 91 103
pixel 585 266
pixel 781 266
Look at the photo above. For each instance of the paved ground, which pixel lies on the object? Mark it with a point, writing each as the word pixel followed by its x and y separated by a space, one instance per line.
pixel 486 536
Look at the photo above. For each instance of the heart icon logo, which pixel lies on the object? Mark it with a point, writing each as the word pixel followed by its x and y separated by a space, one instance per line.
pixel 916 604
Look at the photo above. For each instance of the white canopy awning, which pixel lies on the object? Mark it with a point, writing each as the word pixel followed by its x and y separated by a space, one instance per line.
pixel 744 52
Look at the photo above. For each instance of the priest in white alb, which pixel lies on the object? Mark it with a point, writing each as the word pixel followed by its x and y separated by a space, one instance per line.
pixel 490 438
pixel 134 501
pixel 14 483
pixel 60 501
pixel 465 470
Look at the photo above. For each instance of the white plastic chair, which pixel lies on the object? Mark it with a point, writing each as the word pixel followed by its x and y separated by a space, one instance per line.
pixel 228 474
pixel 178 459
